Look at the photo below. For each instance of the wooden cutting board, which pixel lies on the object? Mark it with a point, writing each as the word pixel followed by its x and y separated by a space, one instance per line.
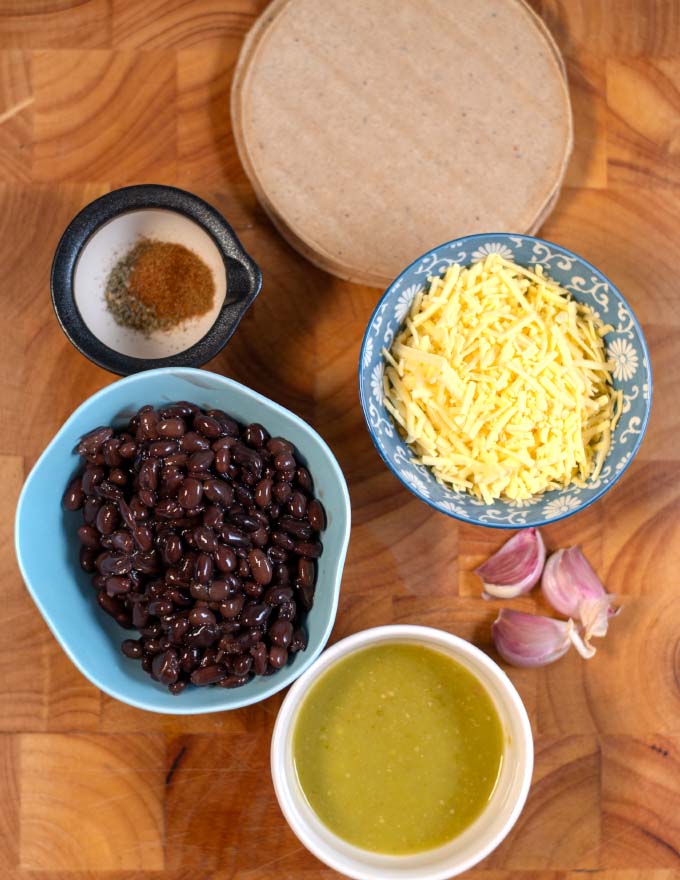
pixel 91 789
pixel 372 133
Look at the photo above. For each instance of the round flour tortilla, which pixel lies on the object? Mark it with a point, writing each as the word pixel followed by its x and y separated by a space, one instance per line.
pixel 373 131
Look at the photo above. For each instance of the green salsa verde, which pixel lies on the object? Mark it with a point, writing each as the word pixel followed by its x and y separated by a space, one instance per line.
pixel 397 748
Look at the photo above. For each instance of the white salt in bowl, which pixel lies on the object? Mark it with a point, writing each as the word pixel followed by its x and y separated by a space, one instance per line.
pixel 103 232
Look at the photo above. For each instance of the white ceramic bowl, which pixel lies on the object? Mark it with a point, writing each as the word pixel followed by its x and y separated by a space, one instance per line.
pixel 480 838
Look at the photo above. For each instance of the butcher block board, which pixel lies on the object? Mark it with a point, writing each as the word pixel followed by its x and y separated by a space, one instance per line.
pixel 91 789
pixel 372 133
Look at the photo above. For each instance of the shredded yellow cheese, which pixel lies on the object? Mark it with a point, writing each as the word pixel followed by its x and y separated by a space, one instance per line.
pixel 499 382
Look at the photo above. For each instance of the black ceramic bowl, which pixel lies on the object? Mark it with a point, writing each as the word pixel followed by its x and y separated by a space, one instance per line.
pixel 103 232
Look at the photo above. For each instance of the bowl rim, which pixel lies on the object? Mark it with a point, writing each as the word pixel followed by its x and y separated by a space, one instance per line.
pixel 243 275
pixel 542 521
pixel 273 684
pixel 290 707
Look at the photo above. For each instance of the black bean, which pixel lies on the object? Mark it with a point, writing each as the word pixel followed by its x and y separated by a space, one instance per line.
pixel 241 664
pixel 177 686
pixel 253 590
pixel 203 568
pixel 200 614
pixel 194 442
pixel 178 629
pixel 299 642
pixel 218 492
pixel 118 477
pixel 297 527
pixel 281 539
pixel 304 480
pixel 201 462
pixel 222 460
pixel 93 441
pixel 203 636
pixel 234 537
pixel 171 548
pixel 204 539
pixel 160 607
pixel 281 573
pixel 232 607
pixel 147 424
pixel 297 504
pixel 261 567
pixel 260 538
pixel 277 554
pixel 225 558
pixel 113 563
pixel 107 519
pixel 190 493
pixel 219 590
pixel 305 595
pixel 281 633
pixel 88 559
pixel 312 549
pixel 146 561
pixel 207 425
pixel 147 497
pixel 233 681
pixel 91 478
pixel 284 461
pixel 89 537
pixel 127 449
pixel 282 492
pixel 143 537
pixel 208 675
pixel 165 667
pixel 74 497
pixel 259 655
pixel 172 428
pixel 181 409
pixel 306 573
pixel 277 595
pixel 168 508
pixel 287 610
pixel 149 473
pixel 276 445
pixel 255 435
pixel 255 615
pixel 278 656
pixel 115 585
pixel 132 648
pixel 227 425
pixel 140 614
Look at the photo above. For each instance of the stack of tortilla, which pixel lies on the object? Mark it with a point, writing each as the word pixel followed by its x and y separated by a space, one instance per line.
pixel 374 130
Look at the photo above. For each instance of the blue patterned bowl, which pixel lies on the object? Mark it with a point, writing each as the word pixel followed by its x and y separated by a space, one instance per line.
pixel 626 347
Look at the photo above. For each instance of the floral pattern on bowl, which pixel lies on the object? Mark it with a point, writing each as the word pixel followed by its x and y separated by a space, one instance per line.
pixel 626 347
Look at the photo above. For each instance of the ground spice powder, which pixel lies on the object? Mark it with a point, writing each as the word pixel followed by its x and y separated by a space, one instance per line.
pixel 159 285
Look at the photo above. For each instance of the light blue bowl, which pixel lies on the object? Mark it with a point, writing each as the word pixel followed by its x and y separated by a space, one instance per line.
pixel 47 545
pixel 626 347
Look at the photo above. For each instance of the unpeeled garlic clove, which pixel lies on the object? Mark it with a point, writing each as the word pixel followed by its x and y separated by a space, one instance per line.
pixel 572 588
pixel 532 640
pixel 515 568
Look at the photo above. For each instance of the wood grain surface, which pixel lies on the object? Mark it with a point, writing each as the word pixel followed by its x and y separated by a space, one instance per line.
pixel 98 93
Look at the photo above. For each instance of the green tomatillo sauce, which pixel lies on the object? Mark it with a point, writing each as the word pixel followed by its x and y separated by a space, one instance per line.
pixel 397 748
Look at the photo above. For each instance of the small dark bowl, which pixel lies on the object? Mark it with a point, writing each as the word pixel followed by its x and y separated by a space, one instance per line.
pixel 101 226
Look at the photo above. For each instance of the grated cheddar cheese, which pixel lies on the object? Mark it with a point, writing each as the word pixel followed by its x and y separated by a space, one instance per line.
pixel 500 384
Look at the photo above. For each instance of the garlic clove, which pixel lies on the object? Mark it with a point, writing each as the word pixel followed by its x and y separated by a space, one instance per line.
pixel 572 588
pixel 533 640
pixel 515 568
